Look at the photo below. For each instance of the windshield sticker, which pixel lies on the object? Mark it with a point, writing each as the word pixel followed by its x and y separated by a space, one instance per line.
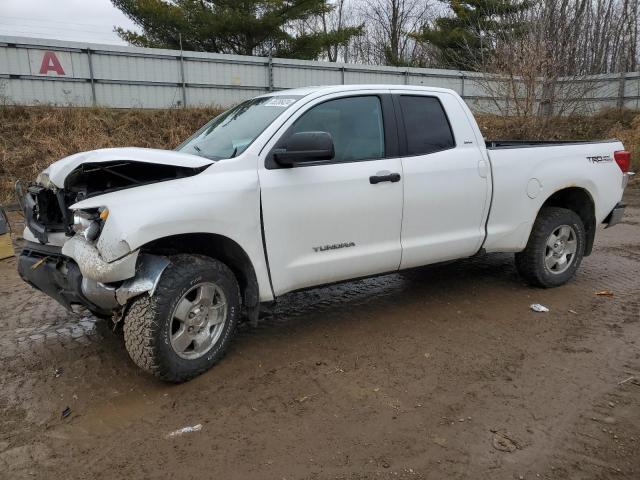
pixel 280 102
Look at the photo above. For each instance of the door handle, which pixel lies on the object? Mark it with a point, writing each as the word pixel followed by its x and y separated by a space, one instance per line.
pixel 483 170
pixel 392 177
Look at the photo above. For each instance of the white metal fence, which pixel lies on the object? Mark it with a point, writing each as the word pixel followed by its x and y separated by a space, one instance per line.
pixel 42 71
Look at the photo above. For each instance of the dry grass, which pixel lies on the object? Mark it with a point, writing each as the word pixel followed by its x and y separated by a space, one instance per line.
pixel 33 137
pixel 623 125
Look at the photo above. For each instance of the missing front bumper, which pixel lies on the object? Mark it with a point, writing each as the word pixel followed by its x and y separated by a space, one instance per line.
pixel 45 268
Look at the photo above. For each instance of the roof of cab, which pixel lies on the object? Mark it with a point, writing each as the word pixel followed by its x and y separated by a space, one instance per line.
pixel 325 89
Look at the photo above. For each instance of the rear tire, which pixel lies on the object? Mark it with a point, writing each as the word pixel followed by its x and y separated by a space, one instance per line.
pixel 555 248
pixel 188 323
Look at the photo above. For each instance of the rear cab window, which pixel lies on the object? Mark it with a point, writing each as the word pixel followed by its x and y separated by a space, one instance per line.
pixel 426 126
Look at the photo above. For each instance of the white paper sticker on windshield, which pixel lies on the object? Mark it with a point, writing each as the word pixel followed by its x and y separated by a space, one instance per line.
pixel 281 102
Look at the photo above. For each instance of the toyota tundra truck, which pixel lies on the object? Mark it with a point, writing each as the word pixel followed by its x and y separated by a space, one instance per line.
pixel 296 189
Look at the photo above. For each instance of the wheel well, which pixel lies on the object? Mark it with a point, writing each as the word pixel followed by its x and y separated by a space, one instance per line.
pixel 215 246
pixel 580 201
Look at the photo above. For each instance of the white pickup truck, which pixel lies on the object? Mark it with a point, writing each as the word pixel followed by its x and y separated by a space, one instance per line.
pixel 296 189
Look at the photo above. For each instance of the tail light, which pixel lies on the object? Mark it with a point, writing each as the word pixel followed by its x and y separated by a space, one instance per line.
pixel 623 159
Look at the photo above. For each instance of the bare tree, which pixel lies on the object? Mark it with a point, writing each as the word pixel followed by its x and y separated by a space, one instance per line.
pixel 336 20
pixel 592 36
pixel 339 24
pixel 545 66
pixel 388 24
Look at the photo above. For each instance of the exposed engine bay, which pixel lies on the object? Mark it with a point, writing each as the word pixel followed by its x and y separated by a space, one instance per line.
pixel 46 206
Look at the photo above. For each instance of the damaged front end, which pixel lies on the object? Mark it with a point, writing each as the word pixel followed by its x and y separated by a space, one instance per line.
pixel 65 256
pixel 47 269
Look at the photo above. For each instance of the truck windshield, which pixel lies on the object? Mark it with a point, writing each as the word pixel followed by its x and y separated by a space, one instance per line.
pixel 230 133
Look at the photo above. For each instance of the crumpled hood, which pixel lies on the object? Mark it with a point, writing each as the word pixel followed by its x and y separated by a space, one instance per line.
pixel 59 170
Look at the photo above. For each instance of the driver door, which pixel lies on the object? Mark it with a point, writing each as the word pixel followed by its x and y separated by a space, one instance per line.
pixel 341 218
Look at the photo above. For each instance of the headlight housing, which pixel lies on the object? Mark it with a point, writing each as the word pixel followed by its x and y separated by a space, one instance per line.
pixel 89 223
pixel 43 179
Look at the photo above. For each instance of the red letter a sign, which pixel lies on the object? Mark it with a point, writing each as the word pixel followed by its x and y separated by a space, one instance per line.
pixel 51 63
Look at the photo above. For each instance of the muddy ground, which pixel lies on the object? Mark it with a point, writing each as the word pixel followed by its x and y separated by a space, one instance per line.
pixel 439 373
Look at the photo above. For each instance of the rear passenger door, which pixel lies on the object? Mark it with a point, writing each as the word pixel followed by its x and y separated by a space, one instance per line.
pixel 446 184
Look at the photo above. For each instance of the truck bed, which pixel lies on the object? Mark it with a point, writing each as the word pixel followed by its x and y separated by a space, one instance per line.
pixel 523 180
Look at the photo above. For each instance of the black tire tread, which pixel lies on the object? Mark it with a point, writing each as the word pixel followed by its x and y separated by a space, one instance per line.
pixel 528 262
pixel 140 320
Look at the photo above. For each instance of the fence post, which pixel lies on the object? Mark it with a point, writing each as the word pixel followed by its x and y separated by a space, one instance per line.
pixel 342 69
pixel 183 81
pixel 621 90
pixel 270 73
pixel 462 85
pixel 406 77
pixel 94 101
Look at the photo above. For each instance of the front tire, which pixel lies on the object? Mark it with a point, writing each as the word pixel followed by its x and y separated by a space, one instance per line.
pixel 187 325
pixel 555 248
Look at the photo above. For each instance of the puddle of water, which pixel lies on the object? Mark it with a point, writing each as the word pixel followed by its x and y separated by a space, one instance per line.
pixel 117 413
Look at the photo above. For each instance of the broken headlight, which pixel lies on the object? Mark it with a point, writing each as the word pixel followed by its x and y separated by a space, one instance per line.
pixel 89 223
pixel 43 180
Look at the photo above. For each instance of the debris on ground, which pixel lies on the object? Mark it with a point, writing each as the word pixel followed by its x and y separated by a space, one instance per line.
pixel 440 441
pixel 182 431
pixel 305 398
pixel 66 412
pixel 536 307
pixel 573 311
pixel 6 246
pixel 58 372
pixel 605 293
pixel 626 380
pixel 502 442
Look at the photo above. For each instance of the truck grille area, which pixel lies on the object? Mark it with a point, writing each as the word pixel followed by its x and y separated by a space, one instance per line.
pixel 46 211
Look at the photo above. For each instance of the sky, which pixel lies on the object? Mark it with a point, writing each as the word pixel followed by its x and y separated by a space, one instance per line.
pixel 79 20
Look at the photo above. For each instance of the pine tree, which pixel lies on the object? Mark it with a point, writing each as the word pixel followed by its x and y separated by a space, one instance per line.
pixel 466 38
pixel 242 27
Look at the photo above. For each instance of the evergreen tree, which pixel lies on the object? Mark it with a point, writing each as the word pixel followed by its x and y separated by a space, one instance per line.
pixel 242 27
pixel 466 38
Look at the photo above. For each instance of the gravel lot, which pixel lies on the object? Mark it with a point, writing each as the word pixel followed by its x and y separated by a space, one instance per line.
pixel 440 372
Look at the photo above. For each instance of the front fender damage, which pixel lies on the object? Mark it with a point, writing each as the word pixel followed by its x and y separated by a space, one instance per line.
pixel 138 272
pixel 146 280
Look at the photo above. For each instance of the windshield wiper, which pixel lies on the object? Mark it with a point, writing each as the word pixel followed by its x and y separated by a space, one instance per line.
pixel 215 158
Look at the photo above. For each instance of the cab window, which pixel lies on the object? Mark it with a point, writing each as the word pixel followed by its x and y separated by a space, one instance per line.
pixel 426 125
pixel 355 124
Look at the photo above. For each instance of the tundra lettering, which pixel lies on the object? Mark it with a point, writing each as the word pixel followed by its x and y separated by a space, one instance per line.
pixel 333 247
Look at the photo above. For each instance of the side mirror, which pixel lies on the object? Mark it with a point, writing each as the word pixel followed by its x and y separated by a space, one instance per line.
pixel 305 147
